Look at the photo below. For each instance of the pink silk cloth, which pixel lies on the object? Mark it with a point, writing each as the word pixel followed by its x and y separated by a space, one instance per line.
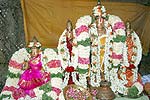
pixel 33 76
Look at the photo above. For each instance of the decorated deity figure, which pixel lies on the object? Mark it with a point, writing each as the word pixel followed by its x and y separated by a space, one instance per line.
pixel 69 41
pixel 69 37
pixel 74 53
pixel 114 50
pixel 34 74
pixel 134 51
pixel 66 53
pixel 98 46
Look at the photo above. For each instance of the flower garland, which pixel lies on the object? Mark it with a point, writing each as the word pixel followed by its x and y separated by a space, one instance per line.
pixel 52 64
pixel 81 52
pixel 116 56
pixel 83 46
pixel 15 69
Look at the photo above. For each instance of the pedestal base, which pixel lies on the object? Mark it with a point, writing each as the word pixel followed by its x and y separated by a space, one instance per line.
pixel 144 97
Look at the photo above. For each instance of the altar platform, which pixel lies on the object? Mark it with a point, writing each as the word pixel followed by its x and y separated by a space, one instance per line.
pixel 144 97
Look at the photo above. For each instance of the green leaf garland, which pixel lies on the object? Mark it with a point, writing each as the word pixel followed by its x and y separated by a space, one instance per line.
pixel 46 87
pixel 82 71
pixel 84 42
pixel 59 75
pixel 46 97
pixel 12 75
pixel 119 38
pixel 4 96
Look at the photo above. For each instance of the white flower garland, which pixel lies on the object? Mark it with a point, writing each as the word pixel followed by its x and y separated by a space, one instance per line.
pixel 118 85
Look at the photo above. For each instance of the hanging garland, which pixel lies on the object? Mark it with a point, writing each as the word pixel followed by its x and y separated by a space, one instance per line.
pixel 83 46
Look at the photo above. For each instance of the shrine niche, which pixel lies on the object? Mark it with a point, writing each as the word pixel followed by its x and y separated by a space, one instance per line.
pixel 95 60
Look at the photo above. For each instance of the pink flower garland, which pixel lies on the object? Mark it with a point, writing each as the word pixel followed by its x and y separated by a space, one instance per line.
pixel 16 92
pixel 57 90
pixel 119 25
pixel 7 88
pixel 115 56
pixel 82 28
pixel 54 64
pixel 83 60
pixel 15 64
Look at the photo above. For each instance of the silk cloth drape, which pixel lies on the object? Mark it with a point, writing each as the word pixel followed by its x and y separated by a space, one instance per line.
pixel 46 19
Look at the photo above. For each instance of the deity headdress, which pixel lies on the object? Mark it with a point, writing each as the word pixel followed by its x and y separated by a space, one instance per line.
pixel 99 10
pixel 34 43
pixel 69 26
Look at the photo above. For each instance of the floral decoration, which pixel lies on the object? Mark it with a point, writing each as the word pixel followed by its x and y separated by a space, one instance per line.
pixel 77 93
pixel 83 46
pixel 115 52
pixel 50 64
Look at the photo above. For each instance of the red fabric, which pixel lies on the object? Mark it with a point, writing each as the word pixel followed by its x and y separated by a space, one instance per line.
pixel 70 69
pixel 70 81
pixel 69 46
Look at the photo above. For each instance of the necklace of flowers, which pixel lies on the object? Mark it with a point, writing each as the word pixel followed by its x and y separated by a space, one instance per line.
pixel 53 66
pixel 17 61
pixel 64 56
pixel 95 77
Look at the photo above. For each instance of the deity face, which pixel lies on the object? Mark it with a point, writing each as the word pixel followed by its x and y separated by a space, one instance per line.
pixel 34 51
